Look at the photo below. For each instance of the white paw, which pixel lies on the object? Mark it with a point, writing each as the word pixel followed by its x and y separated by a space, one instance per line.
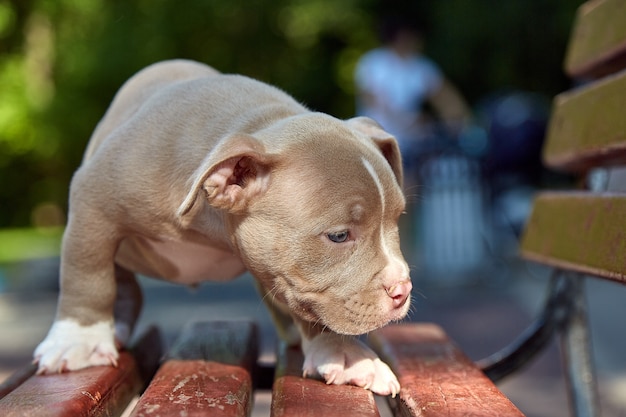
pixel 345 360
pixel 70 346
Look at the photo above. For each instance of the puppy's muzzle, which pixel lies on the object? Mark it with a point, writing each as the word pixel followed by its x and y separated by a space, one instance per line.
pixel 399 292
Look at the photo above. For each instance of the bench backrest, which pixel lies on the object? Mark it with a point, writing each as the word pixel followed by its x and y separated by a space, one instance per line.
pixel 585 230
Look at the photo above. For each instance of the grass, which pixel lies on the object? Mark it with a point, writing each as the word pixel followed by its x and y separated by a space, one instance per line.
pixel 35 243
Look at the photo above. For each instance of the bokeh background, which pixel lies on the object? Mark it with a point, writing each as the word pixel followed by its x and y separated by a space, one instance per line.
pixel 61 62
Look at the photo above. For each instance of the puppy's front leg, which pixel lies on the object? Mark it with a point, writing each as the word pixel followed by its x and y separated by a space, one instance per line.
pixel 341 359
pixel 82 334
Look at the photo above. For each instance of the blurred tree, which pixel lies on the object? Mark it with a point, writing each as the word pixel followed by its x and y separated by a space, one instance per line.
pixel 61 62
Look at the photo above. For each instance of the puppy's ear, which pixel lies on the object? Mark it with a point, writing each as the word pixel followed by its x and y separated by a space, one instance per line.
pixel 236 171
pixel 385 142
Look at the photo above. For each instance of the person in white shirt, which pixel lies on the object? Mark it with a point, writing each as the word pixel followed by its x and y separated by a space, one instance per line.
pixel 395 80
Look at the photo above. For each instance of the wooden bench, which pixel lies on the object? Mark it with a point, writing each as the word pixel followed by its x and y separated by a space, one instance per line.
pixel 212 370
pixel 580 233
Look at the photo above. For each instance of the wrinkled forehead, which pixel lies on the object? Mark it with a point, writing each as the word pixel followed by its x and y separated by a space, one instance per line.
pixel 390 194
pixel 350 172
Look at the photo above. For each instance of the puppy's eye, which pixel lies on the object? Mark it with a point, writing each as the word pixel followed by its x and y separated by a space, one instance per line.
pixel 338 237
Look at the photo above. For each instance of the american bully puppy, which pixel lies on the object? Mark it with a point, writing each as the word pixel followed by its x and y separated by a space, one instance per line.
pixel 193 175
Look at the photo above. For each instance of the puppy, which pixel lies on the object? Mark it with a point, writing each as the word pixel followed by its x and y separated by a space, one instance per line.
pixel 193 175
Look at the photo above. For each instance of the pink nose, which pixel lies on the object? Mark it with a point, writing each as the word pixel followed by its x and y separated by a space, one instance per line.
pixel 399 292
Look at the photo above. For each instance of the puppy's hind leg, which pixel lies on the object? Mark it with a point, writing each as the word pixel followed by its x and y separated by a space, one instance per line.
pixel 127 305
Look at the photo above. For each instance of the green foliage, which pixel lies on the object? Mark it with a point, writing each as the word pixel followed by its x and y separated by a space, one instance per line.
pixel 61 62
pixel 503 44
pixel 23 244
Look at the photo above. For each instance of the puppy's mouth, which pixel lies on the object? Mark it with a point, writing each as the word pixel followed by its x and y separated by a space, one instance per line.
pixel 350 316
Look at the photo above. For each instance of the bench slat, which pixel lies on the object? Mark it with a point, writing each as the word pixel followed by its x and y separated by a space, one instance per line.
pixel 97 391
pixel 295 396
pixel 598 42
pixel 197 388
pixel 209 373
pixel 436 378
pixel 582 134
pixel 229 342
pixel 578 231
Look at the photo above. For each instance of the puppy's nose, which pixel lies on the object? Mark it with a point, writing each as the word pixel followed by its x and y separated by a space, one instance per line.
pixel 399 292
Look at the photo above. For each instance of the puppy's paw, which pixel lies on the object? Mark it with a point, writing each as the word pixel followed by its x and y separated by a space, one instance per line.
pixel 344 360
pixel 70 346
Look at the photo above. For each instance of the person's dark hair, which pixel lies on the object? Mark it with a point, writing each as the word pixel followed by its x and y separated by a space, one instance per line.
pixel 390 26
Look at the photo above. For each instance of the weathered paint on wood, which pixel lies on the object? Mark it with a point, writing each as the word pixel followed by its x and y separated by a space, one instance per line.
pixel 197 388
pixel 598 42
pixel 209 372
pixel 96 391
pixel 578 231
pixel 295 396
pixel 436 378
pixel 588 127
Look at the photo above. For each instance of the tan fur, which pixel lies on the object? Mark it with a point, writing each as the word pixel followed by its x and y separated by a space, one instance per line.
pixel 194 175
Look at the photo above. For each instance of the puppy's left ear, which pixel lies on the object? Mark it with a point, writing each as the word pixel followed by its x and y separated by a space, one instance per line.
pixel 232 174
pixel 385 142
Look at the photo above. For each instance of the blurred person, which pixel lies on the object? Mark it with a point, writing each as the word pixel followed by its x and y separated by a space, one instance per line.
pixel 396 80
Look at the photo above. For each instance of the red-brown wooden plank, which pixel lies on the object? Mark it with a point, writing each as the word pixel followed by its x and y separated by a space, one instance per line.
pixel 197 388
pixel 295 396
pixel 436 378
pixel 598 42
pixel 578 231
pixel 209 373
pixel 96 391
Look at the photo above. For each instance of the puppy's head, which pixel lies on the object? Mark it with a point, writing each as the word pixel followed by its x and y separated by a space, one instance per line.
pixel 313 213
